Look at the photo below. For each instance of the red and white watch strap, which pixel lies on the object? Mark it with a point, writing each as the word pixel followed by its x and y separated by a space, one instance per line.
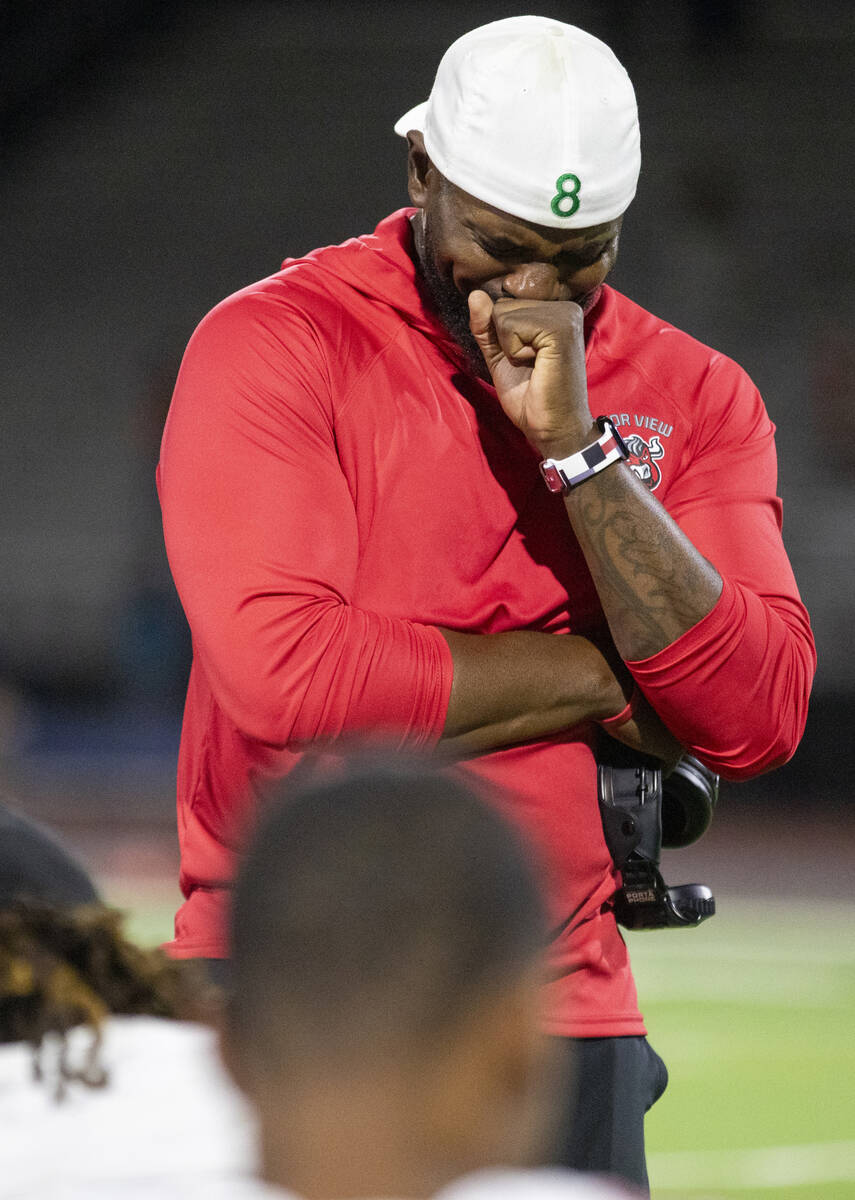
pixel 563 474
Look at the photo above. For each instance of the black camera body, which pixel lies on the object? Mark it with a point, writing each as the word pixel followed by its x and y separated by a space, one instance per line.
pixel 641 812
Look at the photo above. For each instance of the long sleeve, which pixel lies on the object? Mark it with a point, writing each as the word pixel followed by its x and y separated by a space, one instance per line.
pixel 734 689
pixel 262 541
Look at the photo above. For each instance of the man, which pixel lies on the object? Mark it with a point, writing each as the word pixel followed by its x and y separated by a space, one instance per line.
pixel 384 1007
pixel 389 510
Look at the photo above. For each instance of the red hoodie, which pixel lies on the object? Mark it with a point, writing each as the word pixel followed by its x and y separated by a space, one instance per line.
pixel 335 486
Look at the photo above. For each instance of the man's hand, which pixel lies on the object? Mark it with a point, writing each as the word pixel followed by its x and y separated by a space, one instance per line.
pixel 644 731
pixel 535 352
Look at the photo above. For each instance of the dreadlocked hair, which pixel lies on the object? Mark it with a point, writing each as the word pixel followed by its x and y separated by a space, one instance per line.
pixel 62 968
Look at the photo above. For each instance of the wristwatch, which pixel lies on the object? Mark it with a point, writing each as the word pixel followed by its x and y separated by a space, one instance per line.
pixel 562 475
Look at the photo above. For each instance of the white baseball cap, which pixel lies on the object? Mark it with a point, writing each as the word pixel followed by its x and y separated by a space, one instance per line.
pixel 536 118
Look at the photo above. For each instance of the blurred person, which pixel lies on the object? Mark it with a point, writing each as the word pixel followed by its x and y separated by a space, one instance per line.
pixel 34 864
pixel 383 1011
pixel 443 484
pixel 110 1079
pixel 382 1016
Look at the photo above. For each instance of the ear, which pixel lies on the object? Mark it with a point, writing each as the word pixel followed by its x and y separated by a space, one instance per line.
pixel 420 169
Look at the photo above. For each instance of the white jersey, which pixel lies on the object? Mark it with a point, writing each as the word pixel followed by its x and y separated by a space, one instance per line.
pixel 546 1183
pixel 170 1125
pixel 551 1184
pixel 167 1114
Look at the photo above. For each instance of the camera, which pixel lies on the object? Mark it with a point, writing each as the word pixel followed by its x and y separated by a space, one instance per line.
pixel 641 812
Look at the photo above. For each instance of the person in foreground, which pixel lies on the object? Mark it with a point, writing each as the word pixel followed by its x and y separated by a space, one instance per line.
pixel 383 1010
pixel 444 485
pixel 109 1076
pixel 382 1017
pixel 110 1081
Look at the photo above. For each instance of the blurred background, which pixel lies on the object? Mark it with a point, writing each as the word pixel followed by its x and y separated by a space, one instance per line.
pixel 159 154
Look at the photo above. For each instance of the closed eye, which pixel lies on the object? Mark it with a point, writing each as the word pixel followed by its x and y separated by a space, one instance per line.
pixel 502 251
pixel 585 259
pixel 511 252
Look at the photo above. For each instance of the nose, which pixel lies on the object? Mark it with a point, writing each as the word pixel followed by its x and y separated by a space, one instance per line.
pixel 532 281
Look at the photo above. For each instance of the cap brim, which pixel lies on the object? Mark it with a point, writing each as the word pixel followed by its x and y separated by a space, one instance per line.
pixel 414 119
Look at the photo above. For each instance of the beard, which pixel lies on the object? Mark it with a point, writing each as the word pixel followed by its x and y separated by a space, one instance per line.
pixel 450 306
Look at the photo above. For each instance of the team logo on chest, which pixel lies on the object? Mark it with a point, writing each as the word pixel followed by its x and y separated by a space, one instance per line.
pixel 643 459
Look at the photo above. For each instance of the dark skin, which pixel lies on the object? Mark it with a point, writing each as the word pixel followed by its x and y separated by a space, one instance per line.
pixel 410 1121
pixel 527 288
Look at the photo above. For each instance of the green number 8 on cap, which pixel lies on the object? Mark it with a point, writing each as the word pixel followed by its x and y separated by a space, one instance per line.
pixel 567 190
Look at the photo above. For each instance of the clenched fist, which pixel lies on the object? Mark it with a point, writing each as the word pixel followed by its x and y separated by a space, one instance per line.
pixel 535 352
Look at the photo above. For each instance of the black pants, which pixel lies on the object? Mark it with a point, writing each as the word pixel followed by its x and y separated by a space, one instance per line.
pixel 612 1082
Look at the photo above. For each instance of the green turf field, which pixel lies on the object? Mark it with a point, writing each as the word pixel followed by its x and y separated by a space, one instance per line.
pixel 754 1013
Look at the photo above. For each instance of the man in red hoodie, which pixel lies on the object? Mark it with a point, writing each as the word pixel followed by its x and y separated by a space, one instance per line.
pixel 442 485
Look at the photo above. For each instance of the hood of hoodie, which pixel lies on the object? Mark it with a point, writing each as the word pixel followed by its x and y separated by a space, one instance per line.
pixel 382 266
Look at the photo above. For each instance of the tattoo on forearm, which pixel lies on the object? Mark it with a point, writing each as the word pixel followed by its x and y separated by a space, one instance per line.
pixel 652 582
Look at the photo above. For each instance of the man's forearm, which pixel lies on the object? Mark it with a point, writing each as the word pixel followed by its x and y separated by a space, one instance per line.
pixel 515 687
pixel 652 582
